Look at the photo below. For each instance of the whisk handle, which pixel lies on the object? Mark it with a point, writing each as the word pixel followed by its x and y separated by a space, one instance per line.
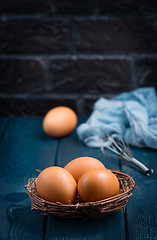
pixel 142 166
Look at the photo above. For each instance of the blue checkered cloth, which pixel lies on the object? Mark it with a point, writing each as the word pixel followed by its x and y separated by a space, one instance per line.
pixel 132 115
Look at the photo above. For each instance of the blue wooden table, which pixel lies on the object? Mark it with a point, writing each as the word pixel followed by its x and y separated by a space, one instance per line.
pixel 24 149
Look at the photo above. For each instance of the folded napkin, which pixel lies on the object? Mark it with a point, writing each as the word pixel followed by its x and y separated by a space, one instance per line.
pixel 132 115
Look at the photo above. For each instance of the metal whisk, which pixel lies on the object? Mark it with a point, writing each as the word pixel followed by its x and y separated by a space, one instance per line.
pixel 121 149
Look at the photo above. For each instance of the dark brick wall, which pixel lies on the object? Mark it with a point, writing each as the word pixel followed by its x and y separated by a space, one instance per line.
pixel 73 52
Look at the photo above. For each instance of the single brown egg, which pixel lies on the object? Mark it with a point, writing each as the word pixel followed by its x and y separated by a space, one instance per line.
pixel 55 184
pixel 80 165
pixel 59 121
pixel 97 184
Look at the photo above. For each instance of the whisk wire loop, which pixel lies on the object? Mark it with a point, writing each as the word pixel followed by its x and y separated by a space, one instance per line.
pixel 121 149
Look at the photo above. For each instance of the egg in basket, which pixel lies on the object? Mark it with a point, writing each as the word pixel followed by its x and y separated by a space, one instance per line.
pixel 83 188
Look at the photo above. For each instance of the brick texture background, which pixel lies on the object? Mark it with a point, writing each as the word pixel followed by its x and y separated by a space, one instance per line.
pixel 73 52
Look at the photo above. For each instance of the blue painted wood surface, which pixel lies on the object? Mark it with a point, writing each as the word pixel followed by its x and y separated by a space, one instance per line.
pixel 24 149
pixel 141 212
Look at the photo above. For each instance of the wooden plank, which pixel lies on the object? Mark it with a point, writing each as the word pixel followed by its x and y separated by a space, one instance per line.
pixel 23 149
pixel 3 125
pixel 141 211
pixel 101 228
pixel 108 227
pixel 71 147
pixel 17 221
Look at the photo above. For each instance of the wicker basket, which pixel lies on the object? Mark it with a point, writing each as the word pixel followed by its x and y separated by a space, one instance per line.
pixel 88 209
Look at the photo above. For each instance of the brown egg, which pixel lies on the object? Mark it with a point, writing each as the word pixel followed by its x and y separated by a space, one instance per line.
pixel 79 166
pixel 55 184
pixel 59 121
pixel 97 184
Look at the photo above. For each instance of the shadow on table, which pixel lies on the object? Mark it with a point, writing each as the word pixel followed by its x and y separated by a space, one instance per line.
pixel 95 228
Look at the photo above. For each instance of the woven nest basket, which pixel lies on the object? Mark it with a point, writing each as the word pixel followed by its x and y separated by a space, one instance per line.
pixel 81 209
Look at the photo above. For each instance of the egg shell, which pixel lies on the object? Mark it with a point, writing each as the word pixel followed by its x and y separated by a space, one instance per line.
pixel 56 184
pixel 97 184
pixel 59 121
pixel 78 166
